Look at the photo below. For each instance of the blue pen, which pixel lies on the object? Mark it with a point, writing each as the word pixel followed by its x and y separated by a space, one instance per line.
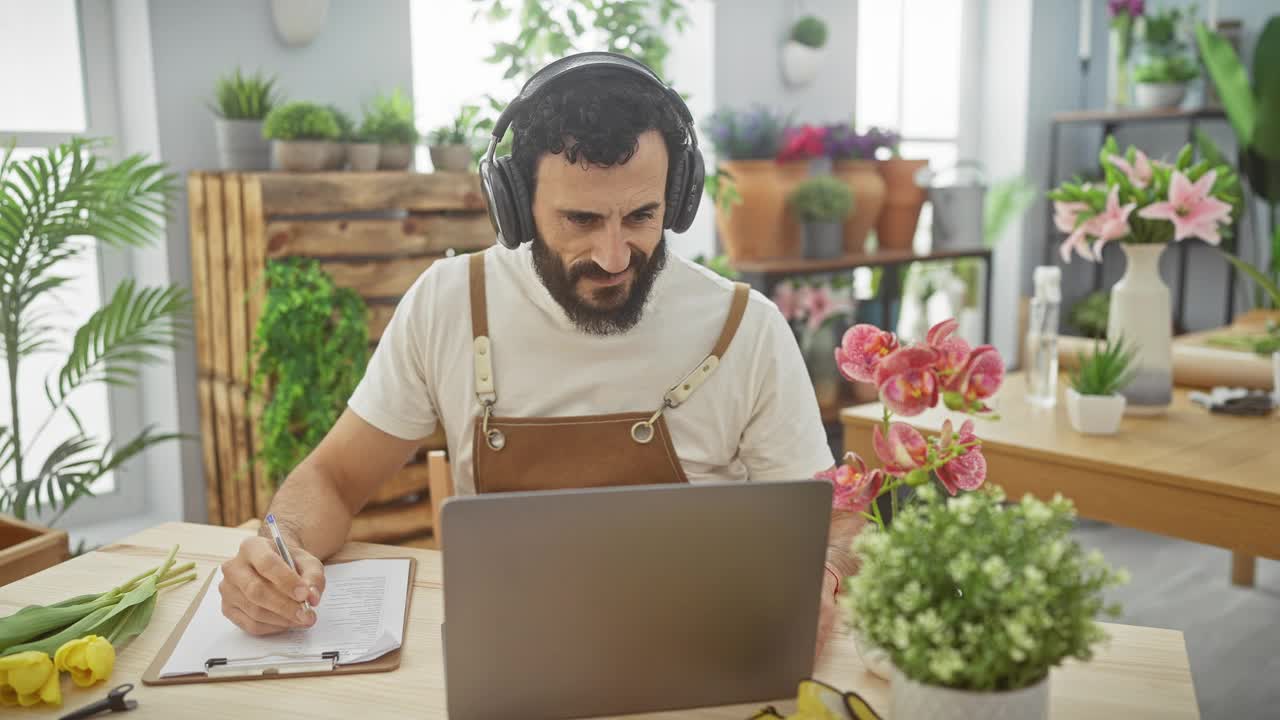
pixel 284 550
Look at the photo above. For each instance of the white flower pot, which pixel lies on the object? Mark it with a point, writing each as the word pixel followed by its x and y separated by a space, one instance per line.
pixel 874 658
pixel 1158 96
pixel 911 699
pixel 800 63
pixel 450 158
pixel 1095 414
pixel 241 145
pixel 301 155
pixel 1141 314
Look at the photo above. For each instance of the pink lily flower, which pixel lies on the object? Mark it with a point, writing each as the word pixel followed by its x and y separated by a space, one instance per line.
pixel 862 349
pixel 1077 241
pixel 1067 214
pixel 1191 209
pixel 1112 223
pixel 980 378
pixel 966 471
pixel 952 351
pixel 907 380
pixel 784 296
pixel 1139 173
pixel 903 451
pixel 855 487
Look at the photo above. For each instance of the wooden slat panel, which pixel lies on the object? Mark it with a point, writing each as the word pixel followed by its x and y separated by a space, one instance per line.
pixel 337 192
pixel 238 336
pixel 379 317
pixel 199 269
pixel 378 278
pixel 390 523
pixel 255 268
pixel 242 473
pixel 208 443
pixel 414 235
pixel 410 480
pixel 224 437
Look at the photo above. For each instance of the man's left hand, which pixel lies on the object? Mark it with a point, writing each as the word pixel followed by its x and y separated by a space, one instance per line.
pixel 826 614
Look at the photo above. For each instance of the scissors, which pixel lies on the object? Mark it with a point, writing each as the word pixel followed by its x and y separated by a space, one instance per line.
pixel 114 702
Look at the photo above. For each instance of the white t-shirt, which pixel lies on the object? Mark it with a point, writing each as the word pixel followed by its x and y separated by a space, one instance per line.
pixel 755 418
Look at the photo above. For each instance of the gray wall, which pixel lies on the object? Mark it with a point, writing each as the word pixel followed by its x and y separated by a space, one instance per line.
pixel 1060 86
pixel 364 48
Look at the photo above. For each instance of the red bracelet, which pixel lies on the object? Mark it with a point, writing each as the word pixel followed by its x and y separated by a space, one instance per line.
pixel 835 575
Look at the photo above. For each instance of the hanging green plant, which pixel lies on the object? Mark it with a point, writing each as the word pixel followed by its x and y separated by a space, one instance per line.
pixel 311 348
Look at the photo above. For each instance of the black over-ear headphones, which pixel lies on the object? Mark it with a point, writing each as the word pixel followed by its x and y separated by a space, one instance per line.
pixel 505 192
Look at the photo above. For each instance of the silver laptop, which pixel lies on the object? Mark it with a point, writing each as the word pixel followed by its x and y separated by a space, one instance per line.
pixel 610 601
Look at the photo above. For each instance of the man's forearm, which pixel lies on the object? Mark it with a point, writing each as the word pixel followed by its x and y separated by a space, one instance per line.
pixel 311 512
pixel 845 525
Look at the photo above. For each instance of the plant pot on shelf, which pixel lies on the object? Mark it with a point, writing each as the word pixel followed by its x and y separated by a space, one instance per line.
pixel 1141 314
pixel 800 63
pixel 790 175
pixel 822 240
pixel 896 227
pixel 26 549
pixel 1095 414
pixel 337 156
pixel 911 699
pixel 450 158
pixel 868 200
pixel 1158 96
pixel 363 156
pixel 753 228
pixel 395 157
pixel 241 145
pixel 300 155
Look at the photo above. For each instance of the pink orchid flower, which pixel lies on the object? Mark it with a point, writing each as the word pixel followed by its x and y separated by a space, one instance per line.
pixel 855 487
pixel 1191 209
pixel 784 296
pixel 822 304
pixel 903 451
pixel 966 471
pixel 1067 214
pixel 980 378
pixel 952 351
pixel 907 380
pixel 1112 223
pixel 862 349
pixel 1139 173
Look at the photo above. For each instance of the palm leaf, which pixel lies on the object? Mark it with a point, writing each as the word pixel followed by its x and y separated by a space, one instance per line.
pixel 1231 80
pixel 62 479
pixel 1268 286
pixel 116 340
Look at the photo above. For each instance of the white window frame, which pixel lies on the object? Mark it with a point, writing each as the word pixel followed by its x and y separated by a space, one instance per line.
pixel 102 120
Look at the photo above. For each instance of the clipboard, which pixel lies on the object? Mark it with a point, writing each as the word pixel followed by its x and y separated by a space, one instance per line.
pixel 224 670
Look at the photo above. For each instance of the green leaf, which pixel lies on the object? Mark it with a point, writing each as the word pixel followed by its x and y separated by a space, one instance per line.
pixel 1230 79
pixel 1263 282
pixel 133 623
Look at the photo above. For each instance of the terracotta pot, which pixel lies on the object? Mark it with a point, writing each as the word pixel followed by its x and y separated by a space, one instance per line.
pixel 300 155
pixel 753 228
pixel 363 156
pixel 790 175
pixel 903 199
pixel 868 200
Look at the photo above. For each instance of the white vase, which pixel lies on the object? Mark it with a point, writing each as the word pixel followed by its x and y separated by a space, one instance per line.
pixel 911 699
pixel 1095 414
pixel 1140 313
pixel 800 63
pixel 1158 96
pixel 874 658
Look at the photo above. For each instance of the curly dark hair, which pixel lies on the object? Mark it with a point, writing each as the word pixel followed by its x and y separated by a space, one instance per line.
pixel 594 118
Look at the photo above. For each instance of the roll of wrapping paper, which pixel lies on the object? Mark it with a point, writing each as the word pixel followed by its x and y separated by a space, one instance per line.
pixel 1196 363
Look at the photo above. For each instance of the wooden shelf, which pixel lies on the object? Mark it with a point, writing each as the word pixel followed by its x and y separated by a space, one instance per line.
pixel 1136 116
pixel 801 266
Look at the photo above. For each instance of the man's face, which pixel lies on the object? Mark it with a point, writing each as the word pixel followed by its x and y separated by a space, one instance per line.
pixel 599 243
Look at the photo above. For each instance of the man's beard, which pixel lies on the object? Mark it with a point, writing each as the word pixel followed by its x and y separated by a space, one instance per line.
pixel 615 309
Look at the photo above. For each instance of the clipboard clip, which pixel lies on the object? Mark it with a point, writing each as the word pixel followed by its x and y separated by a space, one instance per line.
pixel 271 665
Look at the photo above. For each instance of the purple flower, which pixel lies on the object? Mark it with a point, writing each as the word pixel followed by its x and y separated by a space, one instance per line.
pixel 1132 8
pixel 845 144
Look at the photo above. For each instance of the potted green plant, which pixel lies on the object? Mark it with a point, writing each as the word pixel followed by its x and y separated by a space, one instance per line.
pixel 803 52
pixel 301 135
pixel 1161 82
pixel 362 151
pixel 240 104
pixel 1094 402
pixel 48 202
pixel 975 602
pixel 750 214
pixel 450 145
pixel 346 131
pixel 389 121
pixel 821 204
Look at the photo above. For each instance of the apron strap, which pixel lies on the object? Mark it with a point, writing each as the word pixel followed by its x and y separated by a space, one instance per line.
pixel 691 382
pixel 481 347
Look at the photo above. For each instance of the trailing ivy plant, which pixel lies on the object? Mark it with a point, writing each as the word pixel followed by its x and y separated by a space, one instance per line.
pixel 311 348
pixel 48 203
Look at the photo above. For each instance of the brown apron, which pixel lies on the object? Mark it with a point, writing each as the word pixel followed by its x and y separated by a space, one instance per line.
pixel 548 453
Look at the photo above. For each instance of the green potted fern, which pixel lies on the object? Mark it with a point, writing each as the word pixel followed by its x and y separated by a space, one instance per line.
pixel 1094 402
pixel 389 121
pixel 450 145
pixel 302 134
pixel 240 103
pixel 822 204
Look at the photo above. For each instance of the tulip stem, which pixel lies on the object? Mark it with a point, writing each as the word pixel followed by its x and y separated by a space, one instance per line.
pixel 176 581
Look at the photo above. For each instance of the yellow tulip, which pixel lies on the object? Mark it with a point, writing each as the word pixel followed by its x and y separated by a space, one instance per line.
pixel 28 678
pixel 88 659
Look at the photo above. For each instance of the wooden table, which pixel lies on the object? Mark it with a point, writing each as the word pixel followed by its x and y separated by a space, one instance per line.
pixel 1189 474
pixel 1142 673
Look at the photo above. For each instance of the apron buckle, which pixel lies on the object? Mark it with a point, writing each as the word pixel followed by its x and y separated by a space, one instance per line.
pixel 642 432
pixel 494 438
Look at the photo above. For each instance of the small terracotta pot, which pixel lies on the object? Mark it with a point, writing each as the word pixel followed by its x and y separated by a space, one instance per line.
pixel 300 155
pixel 363 157
pixel 868 200
pixel 896 227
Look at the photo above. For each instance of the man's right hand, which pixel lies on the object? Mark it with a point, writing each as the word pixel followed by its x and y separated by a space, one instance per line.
pixel 262 595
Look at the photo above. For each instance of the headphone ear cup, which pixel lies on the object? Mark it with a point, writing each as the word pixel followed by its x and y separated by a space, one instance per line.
pixel 676 178
pixel 522 204
pixel 690 190
pixel 498 199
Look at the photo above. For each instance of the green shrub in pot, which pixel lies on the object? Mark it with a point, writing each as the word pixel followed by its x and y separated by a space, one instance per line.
pixel 822 204
pixel 240 102
pixel 389 120
pixel 301 133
